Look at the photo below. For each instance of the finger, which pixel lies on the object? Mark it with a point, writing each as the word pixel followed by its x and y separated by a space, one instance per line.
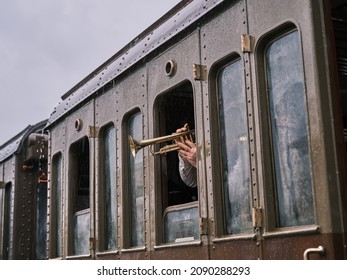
pixel 183 153
pixel 182 129
pixel 183 146
pixel 190 144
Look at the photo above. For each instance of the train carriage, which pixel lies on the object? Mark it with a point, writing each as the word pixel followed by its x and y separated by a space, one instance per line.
pixel 262 84
pixel 23 194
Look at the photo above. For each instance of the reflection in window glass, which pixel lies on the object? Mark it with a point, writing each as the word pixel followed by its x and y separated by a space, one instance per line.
pixel 56 223
pixel 110 189
pixel 234 149
pixel 288 118
pixel 136 185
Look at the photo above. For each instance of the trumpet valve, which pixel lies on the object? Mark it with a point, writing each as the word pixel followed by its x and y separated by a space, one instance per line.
pixel 167 149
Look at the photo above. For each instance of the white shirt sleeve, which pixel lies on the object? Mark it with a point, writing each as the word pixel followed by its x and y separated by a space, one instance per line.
pixel 188 172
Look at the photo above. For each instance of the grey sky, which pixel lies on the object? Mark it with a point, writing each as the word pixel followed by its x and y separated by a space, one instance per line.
pixel 48 46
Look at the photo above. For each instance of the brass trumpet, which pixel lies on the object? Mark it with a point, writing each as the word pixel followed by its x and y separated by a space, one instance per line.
pixel 136 145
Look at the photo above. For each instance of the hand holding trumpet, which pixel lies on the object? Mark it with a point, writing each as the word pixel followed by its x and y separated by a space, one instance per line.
pixel 187 147
pixel 183 143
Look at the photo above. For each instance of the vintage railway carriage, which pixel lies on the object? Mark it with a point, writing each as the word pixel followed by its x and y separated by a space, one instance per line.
pixel 262 83
pixel 23 194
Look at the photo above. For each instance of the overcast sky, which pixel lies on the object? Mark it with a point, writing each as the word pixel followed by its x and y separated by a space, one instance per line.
pixel 48 46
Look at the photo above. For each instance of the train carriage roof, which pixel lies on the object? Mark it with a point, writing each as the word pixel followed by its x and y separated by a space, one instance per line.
pixel 172 23
pixel 15 144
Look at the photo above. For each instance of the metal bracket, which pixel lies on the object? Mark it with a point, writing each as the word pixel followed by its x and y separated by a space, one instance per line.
pixel 203 226
pixel 199 72
pixel 247 43
pixel 257 217
pixel 91 243
pixel 93 131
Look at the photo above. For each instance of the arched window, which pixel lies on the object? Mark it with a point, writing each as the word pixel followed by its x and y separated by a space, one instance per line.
pixel 136 185
pixel 79 175
pixel 109 199
pixel 234 149
pixel 56 207
pixel 288 123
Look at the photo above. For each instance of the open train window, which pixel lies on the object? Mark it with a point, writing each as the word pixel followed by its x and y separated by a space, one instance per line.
pixel 288 123
pixel 173 110
pixel 56 208
pixel 79 191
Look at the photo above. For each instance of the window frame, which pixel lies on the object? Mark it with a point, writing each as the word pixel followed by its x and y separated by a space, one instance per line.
pixel 102 216
pixel 163 198
pixel 73 188
pixel 56 211
pixel 216 151
pixel 127 242
pixel 268 177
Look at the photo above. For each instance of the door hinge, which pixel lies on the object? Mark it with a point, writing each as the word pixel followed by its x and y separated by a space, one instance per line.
pixel 199 72
pixel 93 131
pixel 247 43
pixel 203 226
pixel 257 217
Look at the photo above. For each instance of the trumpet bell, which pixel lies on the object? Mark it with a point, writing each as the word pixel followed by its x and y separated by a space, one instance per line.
pixel 134 146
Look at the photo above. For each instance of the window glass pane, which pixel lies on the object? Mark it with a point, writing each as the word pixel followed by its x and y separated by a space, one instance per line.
pixel 56 224
pixel 136 185
pixel 234 149
pixel 110 189
pixel 81 232
pixel 288 116
pixel 41 221
pixel 182 225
